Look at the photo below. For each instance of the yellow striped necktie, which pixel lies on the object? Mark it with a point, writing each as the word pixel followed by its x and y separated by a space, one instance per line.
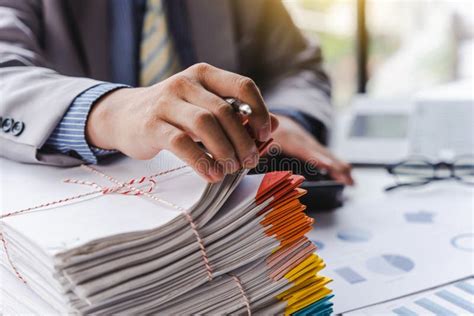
pixel 158 58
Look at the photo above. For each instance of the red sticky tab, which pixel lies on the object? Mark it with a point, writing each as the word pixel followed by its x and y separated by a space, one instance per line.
pixel 271 180
pixel 296 181
pixel 282 188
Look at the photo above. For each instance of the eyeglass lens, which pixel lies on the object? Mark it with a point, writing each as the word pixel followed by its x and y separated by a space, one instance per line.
pixel 413 171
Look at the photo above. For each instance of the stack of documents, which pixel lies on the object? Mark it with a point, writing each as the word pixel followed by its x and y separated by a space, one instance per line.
pixel 141 237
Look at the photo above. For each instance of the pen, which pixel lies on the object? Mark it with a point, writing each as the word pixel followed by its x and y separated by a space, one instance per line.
pixel 239 107
pixel 245 110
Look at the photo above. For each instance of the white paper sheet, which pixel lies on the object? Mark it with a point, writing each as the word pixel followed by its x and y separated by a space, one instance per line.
pixel 18 291
pixel 399 244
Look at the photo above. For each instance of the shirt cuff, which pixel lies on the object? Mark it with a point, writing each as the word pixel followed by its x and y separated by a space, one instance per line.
pixel 69 135
pixel 309 123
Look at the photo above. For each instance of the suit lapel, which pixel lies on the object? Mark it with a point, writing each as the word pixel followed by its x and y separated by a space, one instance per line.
pixel 212 33
pixel 91 34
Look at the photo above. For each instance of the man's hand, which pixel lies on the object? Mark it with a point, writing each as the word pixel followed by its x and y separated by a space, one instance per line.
pixel 176 112
pixel 296 142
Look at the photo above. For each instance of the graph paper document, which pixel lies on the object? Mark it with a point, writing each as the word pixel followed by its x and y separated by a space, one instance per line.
pixel 453 299
pixel 400 244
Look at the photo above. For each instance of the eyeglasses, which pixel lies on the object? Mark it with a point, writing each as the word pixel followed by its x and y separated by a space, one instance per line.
pixel 418 171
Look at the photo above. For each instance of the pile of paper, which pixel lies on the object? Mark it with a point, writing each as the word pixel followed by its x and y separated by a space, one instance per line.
pixel 166 242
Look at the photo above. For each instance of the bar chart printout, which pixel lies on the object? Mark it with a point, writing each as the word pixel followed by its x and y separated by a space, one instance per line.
pixel 449 300
pixel 350 275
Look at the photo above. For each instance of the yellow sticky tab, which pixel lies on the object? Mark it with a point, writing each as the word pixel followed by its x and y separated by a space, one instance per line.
pixel 296 289
pixel 310 268
pixel 293 274
pixel 308 290
pixel 307 287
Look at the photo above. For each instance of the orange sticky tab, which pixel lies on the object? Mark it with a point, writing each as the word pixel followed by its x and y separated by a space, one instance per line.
pixel 296 236
pixel 283 223
pixel 292 195
pixel 276 203
pixel 298 231
pixel 280 211
pixel 288 198
pixel 284 230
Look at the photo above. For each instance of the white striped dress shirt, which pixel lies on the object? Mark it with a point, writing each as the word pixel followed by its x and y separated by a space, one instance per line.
pixel 69 135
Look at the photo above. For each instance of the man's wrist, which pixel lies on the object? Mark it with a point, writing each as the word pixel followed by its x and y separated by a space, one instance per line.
pixel 101 126
pixel 312 125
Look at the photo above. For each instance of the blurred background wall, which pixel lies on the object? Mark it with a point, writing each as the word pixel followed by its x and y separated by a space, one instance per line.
pixel 389 47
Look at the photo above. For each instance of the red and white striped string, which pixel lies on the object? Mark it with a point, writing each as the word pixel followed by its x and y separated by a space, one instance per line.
pixel 243 293
pixel 126 188
pixel 9 259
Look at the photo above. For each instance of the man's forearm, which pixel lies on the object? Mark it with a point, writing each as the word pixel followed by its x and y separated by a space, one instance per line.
pixel 312 125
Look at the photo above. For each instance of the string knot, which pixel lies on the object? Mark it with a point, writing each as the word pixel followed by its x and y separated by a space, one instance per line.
pixel 144 185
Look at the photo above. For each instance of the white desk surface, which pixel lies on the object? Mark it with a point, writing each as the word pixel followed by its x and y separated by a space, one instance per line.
pixel 383 227
pixel 370 183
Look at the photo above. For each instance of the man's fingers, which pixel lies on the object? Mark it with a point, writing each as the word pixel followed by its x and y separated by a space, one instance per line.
pixel 227 84
pixel 179 142
pixel 274 122
pixel 337 170
pixel 244 146
pixel 342 170
pixel 201 123
pixel 322 159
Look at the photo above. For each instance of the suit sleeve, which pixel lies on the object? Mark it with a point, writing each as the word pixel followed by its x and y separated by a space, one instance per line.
pixel 289 68
pixel 32 93
pixel 69 135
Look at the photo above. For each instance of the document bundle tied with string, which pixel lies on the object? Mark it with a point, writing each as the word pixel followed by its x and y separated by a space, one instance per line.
pixel 143 237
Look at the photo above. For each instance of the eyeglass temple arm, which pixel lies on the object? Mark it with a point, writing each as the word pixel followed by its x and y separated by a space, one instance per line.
pixel 399 185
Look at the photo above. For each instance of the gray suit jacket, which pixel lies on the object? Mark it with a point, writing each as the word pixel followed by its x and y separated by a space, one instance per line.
pixel 52 50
